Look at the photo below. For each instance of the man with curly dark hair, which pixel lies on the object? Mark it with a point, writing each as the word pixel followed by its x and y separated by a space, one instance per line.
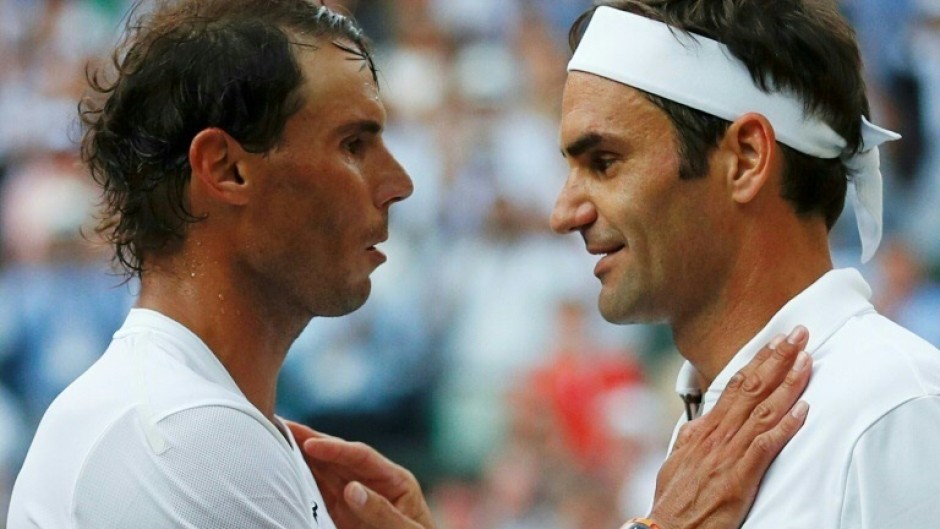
pixel 238 144
pixel 246 183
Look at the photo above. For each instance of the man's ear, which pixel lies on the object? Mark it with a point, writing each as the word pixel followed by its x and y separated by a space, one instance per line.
pixel 214 157
pixel 752 144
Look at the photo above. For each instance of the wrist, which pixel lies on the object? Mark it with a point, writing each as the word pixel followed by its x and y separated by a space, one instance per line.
pixel 642 523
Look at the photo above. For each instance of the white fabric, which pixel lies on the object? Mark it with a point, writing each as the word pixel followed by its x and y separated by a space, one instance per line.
pixel 703 74
pixel 869 453
pixel 157 434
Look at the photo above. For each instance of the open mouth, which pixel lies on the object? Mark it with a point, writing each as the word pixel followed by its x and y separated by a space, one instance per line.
pixel 607 254
pixel 375 252
pixel 605 250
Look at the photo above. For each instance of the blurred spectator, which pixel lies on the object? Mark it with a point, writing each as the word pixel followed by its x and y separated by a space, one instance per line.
pixel 884 29
pixel 58 303
pixel 11 447
pixel 923 222
pixel 475 19
pixel 514 490
pixel 904 293
pixel 44 203
pixel 576 385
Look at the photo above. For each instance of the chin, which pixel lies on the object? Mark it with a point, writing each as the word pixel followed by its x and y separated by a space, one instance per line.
pixel 615 317
pixel 345 302
pixel 610 313
pixel 620 311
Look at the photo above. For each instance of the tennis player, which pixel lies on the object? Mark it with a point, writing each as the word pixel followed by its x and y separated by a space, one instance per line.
pixel 239 148
pixel 711 147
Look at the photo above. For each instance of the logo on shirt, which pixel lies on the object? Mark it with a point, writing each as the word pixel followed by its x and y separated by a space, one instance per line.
pixel 315 508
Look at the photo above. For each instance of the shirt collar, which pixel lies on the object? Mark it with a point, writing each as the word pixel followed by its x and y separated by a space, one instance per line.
pixel 822 308
pixel 190 349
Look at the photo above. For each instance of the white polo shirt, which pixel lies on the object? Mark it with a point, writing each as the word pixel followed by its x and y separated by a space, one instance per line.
pixel 156 434
pixel 868 455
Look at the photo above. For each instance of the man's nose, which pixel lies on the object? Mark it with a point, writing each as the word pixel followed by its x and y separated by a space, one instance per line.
pixel 572 211
pixel 395 186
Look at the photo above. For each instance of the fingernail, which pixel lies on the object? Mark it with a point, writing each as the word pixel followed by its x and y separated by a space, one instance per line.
pixel 357 494
pixel 802 360
pixel 776 341
pixel 796 335
pixel 800 409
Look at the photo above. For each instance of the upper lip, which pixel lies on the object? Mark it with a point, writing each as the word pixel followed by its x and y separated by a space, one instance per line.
pixel 603 248
pixel 380 241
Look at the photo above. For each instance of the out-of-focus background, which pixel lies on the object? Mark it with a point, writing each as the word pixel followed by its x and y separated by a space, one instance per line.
pixel 479 361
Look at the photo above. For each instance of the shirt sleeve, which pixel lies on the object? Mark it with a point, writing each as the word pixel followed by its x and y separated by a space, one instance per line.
pixel 220 469
pixel 893 474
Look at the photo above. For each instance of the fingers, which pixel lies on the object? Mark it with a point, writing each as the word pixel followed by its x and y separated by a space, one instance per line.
pixel 747 390
pixel 338 451
pixel 711 477
pixel 361 459
pixel 362 488
pixel 344 462
pixel 301 432
pixel 777 419
pixel 373 510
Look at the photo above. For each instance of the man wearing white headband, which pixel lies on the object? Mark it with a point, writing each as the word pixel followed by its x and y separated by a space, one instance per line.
pixel 711 146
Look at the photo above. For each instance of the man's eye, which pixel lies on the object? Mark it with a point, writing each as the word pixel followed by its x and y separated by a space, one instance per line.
pixel 601 163
pixel 353 145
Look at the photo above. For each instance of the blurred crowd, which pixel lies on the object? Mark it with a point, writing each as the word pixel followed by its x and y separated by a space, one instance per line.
pixel 480 361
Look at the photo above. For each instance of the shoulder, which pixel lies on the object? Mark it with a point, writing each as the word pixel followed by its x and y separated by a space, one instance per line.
pixel 868 368
pixel 873 352
pixel 899 490
pixel 216 466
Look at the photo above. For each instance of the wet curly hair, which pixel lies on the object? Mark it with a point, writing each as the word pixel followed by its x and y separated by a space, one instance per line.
pixel 182 67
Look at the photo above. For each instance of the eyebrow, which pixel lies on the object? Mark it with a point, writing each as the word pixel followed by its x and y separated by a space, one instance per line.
pixel 581 145
pixel 366 125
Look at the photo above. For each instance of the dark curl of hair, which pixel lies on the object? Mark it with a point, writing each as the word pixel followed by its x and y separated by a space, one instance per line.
pixel 186 66
pixel 803 47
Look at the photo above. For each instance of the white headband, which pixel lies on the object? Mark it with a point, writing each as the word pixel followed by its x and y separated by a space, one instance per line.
pixel 703 74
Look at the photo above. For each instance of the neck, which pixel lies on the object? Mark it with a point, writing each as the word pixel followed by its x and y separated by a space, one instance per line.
pixel 759 285
pixel 240 326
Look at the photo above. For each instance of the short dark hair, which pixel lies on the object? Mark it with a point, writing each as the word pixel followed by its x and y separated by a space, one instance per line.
pixel 182 67
pixel 804 47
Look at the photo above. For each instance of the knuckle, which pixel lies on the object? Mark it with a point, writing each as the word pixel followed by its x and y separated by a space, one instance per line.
pixel 736 381
pixel 751 385
pixel 766 444
pixel 763 413
pixel 686 433
pixel 762 355
pixel 783 352
pixel 791 381
pixel 361 447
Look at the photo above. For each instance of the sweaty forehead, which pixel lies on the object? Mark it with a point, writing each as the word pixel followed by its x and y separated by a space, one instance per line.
pixel 326 66
pixel 337 78
pixel 371 90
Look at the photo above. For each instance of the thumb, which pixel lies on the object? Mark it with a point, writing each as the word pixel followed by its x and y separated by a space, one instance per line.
pixel 375 510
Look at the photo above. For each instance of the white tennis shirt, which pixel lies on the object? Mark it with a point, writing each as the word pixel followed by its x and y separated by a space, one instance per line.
pixel 868 455
pixel 156 434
